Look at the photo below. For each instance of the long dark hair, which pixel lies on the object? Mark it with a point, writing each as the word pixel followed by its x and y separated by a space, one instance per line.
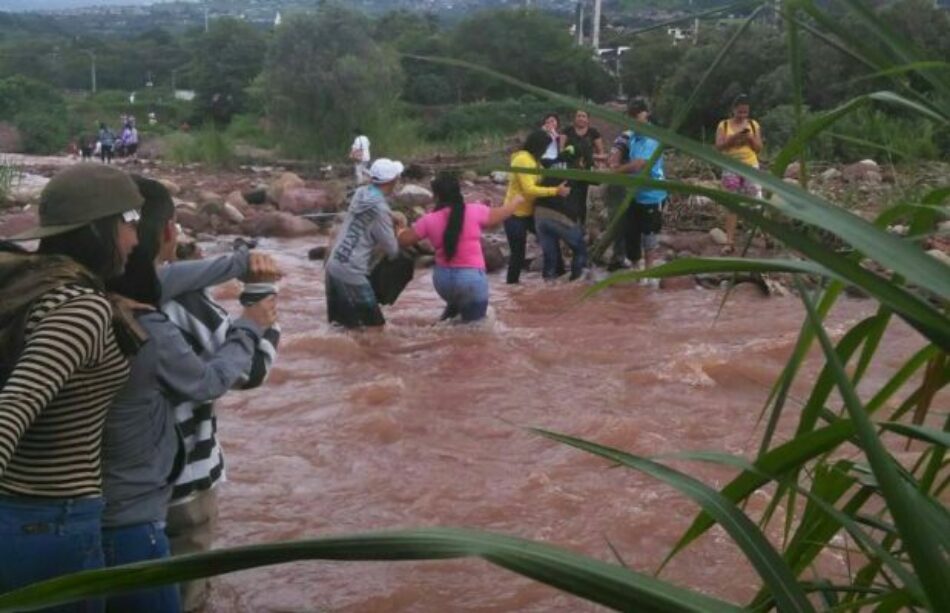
pixel 537 143
pixel 140 281
pixel 448 192
pixel 93 245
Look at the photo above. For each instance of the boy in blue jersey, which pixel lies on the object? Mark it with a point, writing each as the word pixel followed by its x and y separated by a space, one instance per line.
pixel 643 220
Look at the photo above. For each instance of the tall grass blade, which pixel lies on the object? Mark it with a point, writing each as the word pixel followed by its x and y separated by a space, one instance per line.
pixel 767 562
pixel 605 584
pixel 904 503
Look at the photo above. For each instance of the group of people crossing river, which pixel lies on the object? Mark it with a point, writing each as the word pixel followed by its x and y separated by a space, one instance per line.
pixel 113 352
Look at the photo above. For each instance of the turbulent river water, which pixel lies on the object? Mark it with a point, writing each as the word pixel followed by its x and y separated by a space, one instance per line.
pixel 425 424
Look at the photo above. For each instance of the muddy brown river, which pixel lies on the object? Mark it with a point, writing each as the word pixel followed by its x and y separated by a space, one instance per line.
pixel 424 424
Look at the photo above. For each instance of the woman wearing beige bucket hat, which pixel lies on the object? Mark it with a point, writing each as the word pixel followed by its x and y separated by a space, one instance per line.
pixel 60 367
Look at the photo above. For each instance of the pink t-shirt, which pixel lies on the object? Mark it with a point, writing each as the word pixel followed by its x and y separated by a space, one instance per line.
pixel 468 253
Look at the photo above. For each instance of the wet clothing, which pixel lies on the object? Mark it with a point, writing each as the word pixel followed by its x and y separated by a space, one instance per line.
pixel 366 227
pixel 461 280
pixel 637 147
pixel 468 251
pixel 352 305
pixel 516 231
pixel 390 277
pixel 465 291
pixel 641 229
pixel 557 218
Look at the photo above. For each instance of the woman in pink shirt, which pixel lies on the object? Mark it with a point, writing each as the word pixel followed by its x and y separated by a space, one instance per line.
pixel 455 230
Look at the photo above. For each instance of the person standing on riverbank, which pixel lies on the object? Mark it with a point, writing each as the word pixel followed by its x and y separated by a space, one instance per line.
pixel 368 226
pixel 739 137
pixel 165 371
pixel 643 219
pixel 582 147
pixel 62 360
pixel 360 156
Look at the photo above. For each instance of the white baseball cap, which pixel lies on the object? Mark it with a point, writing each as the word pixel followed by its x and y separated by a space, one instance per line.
pixel 385 170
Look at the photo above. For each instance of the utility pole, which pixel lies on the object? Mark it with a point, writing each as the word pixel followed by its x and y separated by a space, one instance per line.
pixel 92 60
pixel 206 18
pixel 580 22
pixel 595 32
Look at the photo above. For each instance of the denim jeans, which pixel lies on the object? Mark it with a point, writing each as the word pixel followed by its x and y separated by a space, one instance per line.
pixel 465 291
pixel 138 543
pixel 41 539
pixel 550 234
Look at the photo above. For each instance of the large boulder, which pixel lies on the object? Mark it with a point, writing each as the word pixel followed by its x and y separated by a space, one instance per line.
pixel 173 188
pixel 286 181
pixel 865 171
pixel 499 177
pixel 300 200
pixel 207 197
pixel 257 195
pixel 192 220
pixel 236 200
pixel 494 255
pixel 279 224
pixel 410 195
pixel 26 188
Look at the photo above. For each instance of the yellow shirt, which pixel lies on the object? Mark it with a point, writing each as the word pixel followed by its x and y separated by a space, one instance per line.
pixel 743 153
pixel 526 185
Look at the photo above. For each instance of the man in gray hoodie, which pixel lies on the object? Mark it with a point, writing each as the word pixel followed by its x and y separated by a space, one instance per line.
pixel 368 226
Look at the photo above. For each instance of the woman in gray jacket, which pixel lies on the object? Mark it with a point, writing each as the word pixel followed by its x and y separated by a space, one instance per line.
pixel 141 448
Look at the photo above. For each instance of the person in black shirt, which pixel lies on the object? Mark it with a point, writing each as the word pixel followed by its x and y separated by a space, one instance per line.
pixel 583 148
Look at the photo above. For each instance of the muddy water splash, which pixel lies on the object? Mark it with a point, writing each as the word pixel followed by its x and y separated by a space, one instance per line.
pixel 422 424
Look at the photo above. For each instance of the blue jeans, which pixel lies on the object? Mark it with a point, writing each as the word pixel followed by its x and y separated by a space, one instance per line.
pixel 465 291
pixel 41 539
pixel 550 234
pixel 139 543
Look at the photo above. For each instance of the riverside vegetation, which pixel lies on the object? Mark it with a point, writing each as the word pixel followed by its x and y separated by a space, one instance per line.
pixel 837 479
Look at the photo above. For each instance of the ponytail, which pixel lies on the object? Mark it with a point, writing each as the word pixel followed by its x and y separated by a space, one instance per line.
pixel 448 192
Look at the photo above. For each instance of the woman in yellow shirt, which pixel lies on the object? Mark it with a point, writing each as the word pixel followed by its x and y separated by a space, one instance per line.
pixel 739 137
pixel 528 187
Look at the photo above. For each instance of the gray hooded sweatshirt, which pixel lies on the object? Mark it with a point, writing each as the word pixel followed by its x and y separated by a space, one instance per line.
pixel 140 440
pixel 367 226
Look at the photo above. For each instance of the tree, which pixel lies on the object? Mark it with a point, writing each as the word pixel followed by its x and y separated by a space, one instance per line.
pixel 224 62
pixel 530 46
pixel 326 75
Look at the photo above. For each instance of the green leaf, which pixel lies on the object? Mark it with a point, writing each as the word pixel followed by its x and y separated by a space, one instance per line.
pixel 777 462
pixel 605 584
pixel 774 572
pixel 919 433
pixel 903 502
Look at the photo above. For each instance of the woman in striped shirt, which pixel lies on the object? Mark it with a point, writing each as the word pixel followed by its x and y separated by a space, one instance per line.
pixel 62 376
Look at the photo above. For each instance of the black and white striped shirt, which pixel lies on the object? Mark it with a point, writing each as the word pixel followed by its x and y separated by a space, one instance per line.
pixel 54 403
pixel 204 324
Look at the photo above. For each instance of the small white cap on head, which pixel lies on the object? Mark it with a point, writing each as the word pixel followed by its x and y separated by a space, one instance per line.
pixel 385 170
